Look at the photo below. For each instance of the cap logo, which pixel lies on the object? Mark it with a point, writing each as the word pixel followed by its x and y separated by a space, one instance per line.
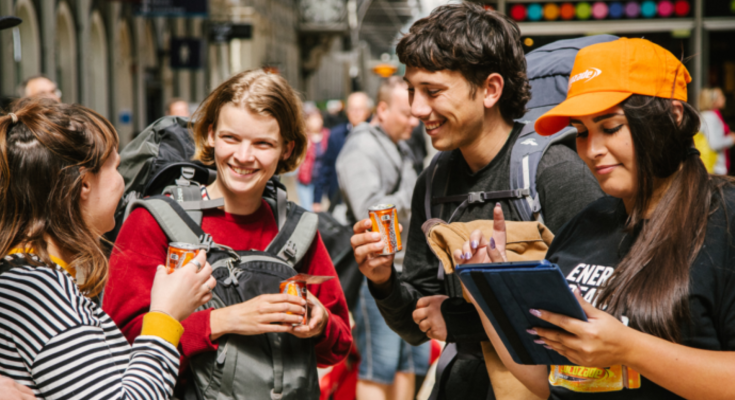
pixel 587 75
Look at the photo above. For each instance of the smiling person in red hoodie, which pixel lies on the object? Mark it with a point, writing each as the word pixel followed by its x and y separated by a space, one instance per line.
pixel 251 128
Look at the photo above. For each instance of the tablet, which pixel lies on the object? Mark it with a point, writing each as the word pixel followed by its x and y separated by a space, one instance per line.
pixel 507 291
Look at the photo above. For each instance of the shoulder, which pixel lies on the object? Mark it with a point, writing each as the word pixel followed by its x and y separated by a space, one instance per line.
pixel 557 154
pixel 600 213
pixel 42 288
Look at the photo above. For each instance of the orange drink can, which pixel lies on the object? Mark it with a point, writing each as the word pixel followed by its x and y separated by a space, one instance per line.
pixel 385 221
pixel 298 289
pixel 179 254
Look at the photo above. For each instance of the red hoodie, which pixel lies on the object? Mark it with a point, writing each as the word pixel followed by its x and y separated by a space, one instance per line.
pixel 141 246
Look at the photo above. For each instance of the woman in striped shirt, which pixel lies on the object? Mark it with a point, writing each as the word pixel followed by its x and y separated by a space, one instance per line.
pixel 59 188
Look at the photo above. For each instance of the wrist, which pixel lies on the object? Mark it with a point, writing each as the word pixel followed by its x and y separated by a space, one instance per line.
pixel 632 346
pixel 218 321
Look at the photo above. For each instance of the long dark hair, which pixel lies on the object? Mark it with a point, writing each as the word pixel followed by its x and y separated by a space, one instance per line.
pixel 651 284
pixel 43 158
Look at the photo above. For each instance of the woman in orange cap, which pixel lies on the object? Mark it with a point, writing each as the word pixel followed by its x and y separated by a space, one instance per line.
pixel 656 254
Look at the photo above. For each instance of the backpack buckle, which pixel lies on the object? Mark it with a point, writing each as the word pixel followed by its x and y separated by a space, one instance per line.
pixel 290 249
pixel 275 396
pixel 475 197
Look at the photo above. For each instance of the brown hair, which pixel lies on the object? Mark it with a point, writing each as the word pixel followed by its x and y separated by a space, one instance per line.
pixel 651 284
pixel 476 42
pixel 259 93
pixel 43 159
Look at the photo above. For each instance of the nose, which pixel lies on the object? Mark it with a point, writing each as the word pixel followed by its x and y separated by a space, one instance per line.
pixel 419 106
pixel 596 146
pixel 244 152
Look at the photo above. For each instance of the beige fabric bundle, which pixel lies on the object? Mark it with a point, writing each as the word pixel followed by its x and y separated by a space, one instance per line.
pixel 526 241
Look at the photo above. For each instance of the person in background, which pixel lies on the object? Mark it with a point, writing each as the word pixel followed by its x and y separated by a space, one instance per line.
pixel 376 167
pixel 335 114
pixel 318 137
pixel 178 107
pixel 719 136
pixel 359 109
pixel 40 86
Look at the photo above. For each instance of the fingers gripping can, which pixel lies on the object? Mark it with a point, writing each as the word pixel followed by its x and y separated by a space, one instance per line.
pixel 385 221
pixel 298 289
pixel 179 254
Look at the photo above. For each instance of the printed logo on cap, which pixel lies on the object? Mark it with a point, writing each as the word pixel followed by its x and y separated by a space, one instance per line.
pixel 588 75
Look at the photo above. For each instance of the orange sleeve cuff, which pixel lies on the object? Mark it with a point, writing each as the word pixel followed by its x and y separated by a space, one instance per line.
pixel 162 325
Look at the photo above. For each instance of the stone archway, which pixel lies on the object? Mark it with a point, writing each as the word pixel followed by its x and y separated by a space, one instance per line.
pixel 66 53
pixel 30 41
pixel 98 69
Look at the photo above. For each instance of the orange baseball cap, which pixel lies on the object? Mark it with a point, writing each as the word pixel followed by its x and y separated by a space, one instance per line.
pixel 605 74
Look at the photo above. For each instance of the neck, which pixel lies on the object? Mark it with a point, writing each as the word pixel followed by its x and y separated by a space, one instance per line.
pixel 56 251
pixel 234 204
pixel 661 186
pixel 483 149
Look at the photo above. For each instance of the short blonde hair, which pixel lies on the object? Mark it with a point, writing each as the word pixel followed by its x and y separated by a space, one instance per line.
pixel 707 97
pixel 260 93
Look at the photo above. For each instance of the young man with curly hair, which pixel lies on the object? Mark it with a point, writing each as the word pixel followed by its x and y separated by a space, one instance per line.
pixel 466 75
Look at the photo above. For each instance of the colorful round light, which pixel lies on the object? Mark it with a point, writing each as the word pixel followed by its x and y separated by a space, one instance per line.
pixel 665 9
pixel 535 12
pixel 551 12
pixel 615 10
pixel 682 8
pixel 648 9
pixel 584 10
pixel 518 12
pixel 567 11
pixel 599 10
pixel 632 9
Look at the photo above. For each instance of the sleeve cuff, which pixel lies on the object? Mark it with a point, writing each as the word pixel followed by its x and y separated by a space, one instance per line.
pixel 392 290
pixel 162 325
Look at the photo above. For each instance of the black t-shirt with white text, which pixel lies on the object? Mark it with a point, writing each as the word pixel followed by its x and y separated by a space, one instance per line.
pixel 589 248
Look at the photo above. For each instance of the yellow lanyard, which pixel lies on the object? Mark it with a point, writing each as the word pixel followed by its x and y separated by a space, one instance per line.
pixel 55 259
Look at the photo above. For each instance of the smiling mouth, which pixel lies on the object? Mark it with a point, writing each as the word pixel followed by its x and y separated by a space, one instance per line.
pixel 606 169
pixel 243 171
pixel 430 126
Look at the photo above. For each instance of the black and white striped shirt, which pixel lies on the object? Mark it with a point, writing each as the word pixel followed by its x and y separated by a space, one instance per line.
pixel 60 344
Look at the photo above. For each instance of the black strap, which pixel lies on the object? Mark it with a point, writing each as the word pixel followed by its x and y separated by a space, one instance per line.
pixel 429 184
pixel 481 197
pixel 181 213
pixel 505 325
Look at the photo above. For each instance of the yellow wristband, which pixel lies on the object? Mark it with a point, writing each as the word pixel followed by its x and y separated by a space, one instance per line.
pixel 156 323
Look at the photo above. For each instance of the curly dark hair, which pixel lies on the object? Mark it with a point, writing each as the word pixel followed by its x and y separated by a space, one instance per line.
pixel 476 42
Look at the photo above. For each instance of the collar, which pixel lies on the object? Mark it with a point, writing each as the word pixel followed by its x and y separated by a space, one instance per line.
pixel 55 259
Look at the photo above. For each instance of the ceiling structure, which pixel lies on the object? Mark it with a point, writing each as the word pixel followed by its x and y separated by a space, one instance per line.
pixel 381 21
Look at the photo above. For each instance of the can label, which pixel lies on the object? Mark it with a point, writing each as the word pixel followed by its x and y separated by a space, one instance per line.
pixel 179 254
pixel 385 221
pixel 298 289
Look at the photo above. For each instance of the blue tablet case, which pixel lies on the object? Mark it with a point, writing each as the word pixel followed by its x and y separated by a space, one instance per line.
pixel 507 291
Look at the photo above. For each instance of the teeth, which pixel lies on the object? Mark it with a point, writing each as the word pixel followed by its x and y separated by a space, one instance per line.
pixel 242 171
pixel 433 125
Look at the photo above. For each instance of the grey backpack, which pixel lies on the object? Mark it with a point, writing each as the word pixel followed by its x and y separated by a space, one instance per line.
pixel 267 366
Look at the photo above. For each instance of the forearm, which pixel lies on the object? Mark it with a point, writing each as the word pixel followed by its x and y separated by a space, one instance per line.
pixel 690 373
pixel 534 377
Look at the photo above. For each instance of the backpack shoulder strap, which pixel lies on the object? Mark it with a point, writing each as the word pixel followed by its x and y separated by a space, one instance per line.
pixel 172 218
pixel 295 236
pixel 525 157
pixel 436 182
